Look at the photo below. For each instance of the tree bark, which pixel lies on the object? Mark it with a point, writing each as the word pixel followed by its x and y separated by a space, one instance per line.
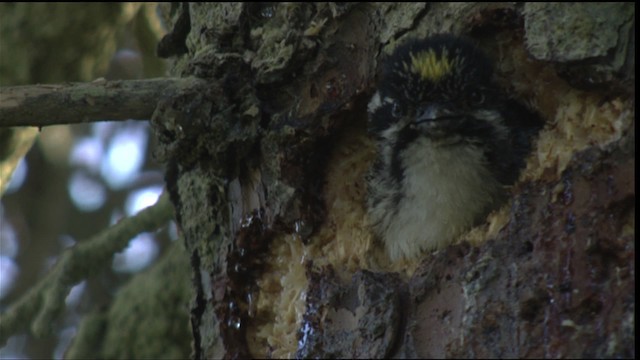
pixel 100 100
pixel 265 167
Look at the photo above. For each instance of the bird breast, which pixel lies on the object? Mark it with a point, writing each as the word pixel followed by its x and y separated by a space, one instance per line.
pixel 445 190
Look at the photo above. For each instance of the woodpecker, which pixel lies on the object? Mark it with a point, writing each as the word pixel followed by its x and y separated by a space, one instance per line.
pixel 449 144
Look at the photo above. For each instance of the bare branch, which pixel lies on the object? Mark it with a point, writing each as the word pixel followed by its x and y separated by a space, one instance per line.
pixel 45 300
pixel 100 100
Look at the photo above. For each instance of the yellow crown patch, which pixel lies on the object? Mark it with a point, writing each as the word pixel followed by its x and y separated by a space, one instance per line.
pixel 429 66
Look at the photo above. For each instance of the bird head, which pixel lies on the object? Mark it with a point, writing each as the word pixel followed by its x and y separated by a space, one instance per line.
pixel 440 87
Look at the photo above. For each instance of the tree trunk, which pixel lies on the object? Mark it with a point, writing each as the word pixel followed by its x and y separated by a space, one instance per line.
pixel 265 167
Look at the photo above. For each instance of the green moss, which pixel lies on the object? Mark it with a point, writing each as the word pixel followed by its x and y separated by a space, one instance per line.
pixel 148 319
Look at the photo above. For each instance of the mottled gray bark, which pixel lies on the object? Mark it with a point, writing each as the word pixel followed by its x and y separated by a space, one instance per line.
pixel 249 169
pixel 100 100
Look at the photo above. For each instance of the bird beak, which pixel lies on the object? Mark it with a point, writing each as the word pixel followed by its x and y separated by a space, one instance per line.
pixel 432 112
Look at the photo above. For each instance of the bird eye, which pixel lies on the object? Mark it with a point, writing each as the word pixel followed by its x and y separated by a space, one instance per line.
pixel 476 98
pixel 396 110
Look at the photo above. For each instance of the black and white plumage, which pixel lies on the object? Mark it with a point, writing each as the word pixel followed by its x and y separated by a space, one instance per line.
pixel 448 143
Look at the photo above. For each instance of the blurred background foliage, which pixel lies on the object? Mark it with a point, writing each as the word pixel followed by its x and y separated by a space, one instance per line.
pixel 75 181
